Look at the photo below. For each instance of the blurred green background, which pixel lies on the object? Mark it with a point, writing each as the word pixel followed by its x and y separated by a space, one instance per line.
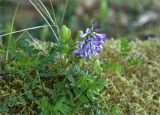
pixel 130 18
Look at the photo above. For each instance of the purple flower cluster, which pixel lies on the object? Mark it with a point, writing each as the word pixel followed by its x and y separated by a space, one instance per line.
pixel 91 44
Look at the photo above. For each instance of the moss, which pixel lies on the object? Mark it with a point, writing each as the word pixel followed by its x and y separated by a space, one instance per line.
pixel 136 88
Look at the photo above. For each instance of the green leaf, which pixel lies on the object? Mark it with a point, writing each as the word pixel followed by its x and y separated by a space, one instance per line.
pixel 134 61
pixel 62 107
pixel 116 110
pixel 69 33
pixel 43 103
pixel 96 67
pixel 125 46
pixel 65 33
pixel 90 95
pixel 83 99
pixel 114 67
pixel 78 35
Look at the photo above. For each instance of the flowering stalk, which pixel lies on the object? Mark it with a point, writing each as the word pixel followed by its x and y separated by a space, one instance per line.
pixel 91 44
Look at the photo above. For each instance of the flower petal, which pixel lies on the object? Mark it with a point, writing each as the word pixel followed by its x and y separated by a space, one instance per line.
pixel 81 44
pixel 88 30
pixel 78 52
pixel 83 35
pixel 98 29
pixel 93 22
pixel 102 36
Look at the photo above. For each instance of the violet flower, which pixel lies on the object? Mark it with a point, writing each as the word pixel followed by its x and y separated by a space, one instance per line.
pixel 91 44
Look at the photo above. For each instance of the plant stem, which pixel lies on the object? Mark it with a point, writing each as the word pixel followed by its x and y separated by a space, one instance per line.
pixel 64 12
pixel 54 15
pixel 44 19
pixel 10 35
pixel 47 12
pixel 55 20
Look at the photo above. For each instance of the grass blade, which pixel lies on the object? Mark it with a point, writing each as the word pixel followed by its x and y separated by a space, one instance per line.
pixel 27 29
pixel 44 19
pixel 10 35
pixel 64 12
